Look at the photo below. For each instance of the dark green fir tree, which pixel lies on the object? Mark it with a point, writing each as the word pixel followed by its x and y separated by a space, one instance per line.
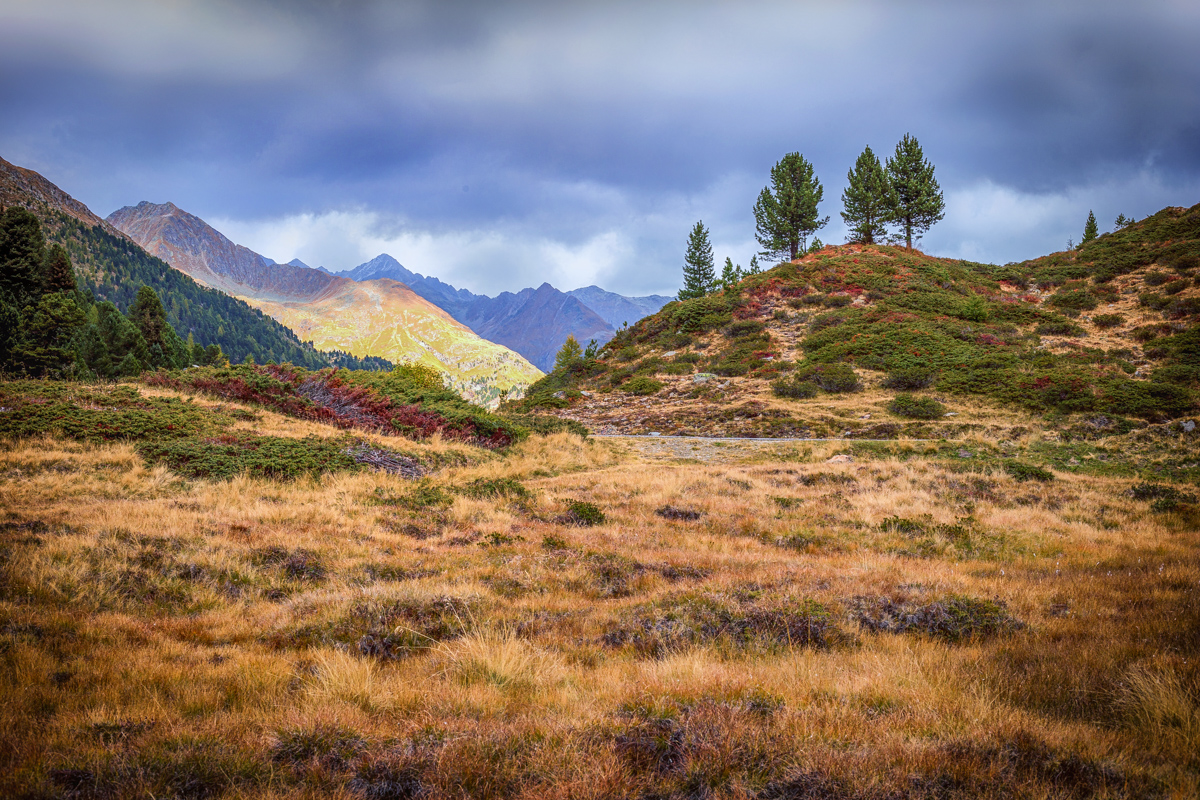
pixel 919 201
pixel 699 273
pixel 785 214
pixel 869 200
pixel 1090 229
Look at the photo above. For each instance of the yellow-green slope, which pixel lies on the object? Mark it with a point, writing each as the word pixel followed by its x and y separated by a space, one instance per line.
pixel 386 318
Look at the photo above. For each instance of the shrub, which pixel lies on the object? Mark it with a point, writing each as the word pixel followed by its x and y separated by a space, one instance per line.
pixel 1108 320
pixel 794 389
pixel 1027 472
pixel 836 378
pixel 1183 307
pixel 907 405
pixel 909 379
pixel 1175 287
pixel 1075 299
pixel 745 327
pixel 1059 327
pixel 974 309
pixel 1156 278
pixel 582 514
pixel 641 385
pixel 836 301
pixel 1153 300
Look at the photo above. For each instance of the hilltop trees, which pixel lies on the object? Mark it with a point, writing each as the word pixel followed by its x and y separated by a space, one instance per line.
pixel 786 211
pixel 1090 229
pixel 869 200
pixel 919 201
pixel 699 273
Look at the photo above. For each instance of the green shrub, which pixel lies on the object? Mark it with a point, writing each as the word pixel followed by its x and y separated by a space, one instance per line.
pixel 1154 300
pixel 257 456
pixel 910 379
pixel 836 378
pixel 1175 287
pixel 745 327
pixel 1163 498
pixel 1076 299
pixel 974 309
pixel 1156 278
pixel 1108 320
pixel 582 514
pixel 1027 472
pixel 641 385
pixel 794 389
pixel 488 488
pixel 836 300
pixel 1059 327
pixel 907 405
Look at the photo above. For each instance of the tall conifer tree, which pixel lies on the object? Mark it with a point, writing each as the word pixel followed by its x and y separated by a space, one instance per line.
pixel 1090 229
pixel 919 201
pixel 699 273
pixel 869 200
pixel 57 273
pixel 786 211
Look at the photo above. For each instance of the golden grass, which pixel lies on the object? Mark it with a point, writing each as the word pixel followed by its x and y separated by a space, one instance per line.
pixel 161 637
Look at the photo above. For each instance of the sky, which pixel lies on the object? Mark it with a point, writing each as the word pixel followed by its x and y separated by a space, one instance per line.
pixel 497 145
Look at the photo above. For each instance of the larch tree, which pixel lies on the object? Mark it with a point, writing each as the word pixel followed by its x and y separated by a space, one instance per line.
pixel 699 273
pixel 869 199
pixel 919 201
pixel 786 211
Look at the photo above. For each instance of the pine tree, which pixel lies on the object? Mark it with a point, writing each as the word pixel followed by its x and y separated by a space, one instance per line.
pixel 46 333
pixel 167 350
pixel 786 211
pixel 57 273
pixel 869 200
pixel 569 355
pixel 699 274
pixel 730 274
pixel 919 201
pixel 754 269
pixel 1090 229
pixel 1122 222
pixel 22 250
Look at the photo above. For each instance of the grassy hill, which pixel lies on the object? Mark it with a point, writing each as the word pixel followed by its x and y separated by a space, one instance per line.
pixel 838 342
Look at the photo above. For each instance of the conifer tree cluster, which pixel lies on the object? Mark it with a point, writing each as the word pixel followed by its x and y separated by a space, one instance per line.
pixel 48 328
pixel 902 193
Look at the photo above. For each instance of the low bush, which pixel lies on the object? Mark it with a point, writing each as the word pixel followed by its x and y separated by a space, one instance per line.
pixel 1075 299
pixel 745 327
pixel 1059 327
pixel 1027 472
pixel 257 456
pixel 1175 287
pixel 910 379
pixel 1154 300
pixel 1162 498
pixel 834 378
pixel 1156 278
pixel 641 385
pixel 1108 320
pixel 837 300
pixel 582 514
pixel 907 405
pixel 794 389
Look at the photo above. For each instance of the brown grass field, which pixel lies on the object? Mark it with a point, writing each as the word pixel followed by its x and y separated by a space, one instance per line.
pixel 904 625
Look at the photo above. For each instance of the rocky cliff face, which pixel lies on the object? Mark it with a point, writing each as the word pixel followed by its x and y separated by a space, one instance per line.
pixel 192 246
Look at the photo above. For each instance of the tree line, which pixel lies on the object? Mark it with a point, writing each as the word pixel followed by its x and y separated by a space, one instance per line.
pixel 903 193
pixel 50 328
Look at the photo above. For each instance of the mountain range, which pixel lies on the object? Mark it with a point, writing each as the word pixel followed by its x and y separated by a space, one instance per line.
pixel 112 266
pixel 377 317
pixel 531 322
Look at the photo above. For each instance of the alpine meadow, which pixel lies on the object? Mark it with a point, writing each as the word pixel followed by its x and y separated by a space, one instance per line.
pixel 865 519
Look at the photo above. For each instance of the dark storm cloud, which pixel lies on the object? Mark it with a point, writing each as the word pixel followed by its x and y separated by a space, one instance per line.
pixel 594 132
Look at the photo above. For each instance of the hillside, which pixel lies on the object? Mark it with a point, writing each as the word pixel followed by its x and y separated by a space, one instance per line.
pixel 385 318
pixel 880 342
pixel 533 322
pixel 380 318
pixel 113 267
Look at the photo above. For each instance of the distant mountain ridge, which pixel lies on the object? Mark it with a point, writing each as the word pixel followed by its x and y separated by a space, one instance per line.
pixel 379 317
pixel 533 322
pixel 112 266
